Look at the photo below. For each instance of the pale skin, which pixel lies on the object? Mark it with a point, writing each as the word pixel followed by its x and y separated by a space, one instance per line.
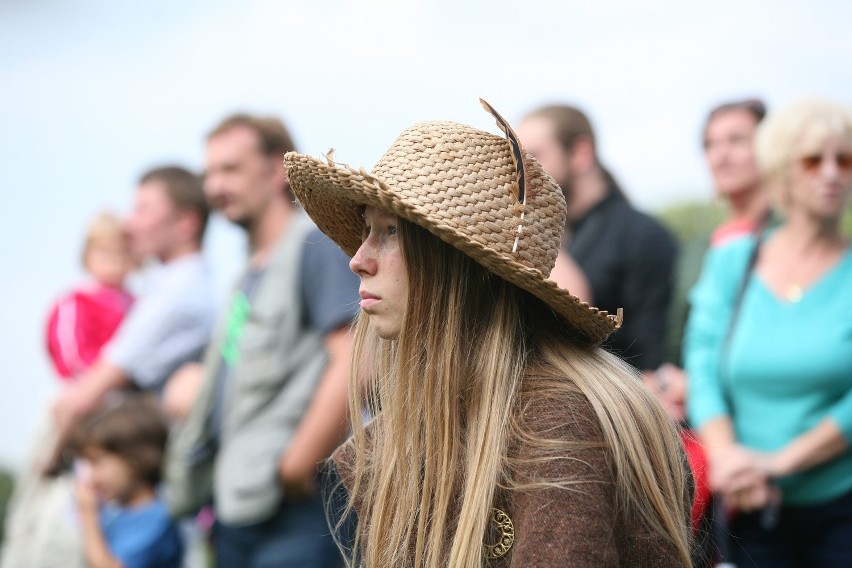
pixel 181 390
pixel 569 276
pixel 247 186
pixel 802 250
pixel 108 260
pixel 384 278
pixel 95 546
pixel 669 384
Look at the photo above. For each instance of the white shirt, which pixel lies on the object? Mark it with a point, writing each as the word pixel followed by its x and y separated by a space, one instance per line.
pixel 168 326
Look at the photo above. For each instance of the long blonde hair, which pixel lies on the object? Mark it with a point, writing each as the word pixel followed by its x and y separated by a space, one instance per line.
pixel 447 394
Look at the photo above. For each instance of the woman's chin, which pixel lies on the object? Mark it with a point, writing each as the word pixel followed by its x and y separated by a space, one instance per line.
pixel 387 332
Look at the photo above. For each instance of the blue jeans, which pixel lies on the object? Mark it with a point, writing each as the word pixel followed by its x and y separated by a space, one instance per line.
pixel 297 536
pixel 817 536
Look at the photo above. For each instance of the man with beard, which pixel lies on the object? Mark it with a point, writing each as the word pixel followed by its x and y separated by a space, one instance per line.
pixel 626 255
pixel 272 401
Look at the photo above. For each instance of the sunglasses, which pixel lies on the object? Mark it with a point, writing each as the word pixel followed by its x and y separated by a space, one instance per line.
pixel 812 162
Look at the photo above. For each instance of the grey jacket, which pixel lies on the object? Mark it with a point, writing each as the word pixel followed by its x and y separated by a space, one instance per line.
pixel 280 365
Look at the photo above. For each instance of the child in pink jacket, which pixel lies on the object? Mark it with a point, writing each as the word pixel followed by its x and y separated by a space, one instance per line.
pixel 83 321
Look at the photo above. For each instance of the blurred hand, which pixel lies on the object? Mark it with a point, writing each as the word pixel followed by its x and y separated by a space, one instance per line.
pixel 297 488
pixel 743 477
pixel 87 498
pixel 68 409
pixel 732 469
pixel 72 405
pixel 298 480
pixel 754 497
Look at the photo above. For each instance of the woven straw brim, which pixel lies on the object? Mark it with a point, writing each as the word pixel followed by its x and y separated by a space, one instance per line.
pixel 332 195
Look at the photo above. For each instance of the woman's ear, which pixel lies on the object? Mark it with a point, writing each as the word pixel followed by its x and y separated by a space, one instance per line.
pixel 279 170
pixel 581 157
pixel 189 224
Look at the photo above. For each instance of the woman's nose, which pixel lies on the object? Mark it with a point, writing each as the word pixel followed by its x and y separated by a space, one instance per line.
pixel 830 167
pixel 364 261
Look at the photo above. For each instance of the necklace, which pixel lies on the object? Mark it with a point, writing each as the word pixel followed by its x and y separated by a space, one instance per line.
pixel 794 293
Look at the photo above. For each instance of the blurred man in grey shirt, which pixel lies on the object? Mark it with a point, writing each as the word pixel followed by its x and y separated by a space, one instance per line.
pixel 172 322
pixel 272 403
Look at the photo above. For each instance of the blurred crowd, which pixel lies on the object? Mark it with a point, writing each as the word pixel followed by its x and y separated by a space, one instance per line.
pixel 194 434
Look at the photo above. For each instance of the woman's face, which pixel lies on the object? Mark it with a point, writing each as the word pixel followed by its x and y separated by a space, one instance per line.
pixel 384 279
pixel 821 177
pixel 729 150
pixel 111 475
pixel 108 260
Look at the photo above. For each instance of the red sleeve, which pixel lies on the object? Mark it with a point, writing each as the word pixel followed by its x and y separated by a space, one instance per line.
pixel 60 337
pixel 80 325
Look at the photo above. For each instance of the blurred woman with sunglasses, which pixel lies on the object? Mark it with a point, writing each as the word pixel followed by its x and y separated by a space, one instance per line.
pixel 769 352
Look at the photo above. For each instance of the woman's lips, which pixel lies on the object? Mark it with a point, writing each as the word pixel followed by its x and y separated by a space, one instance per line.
pixel 368 300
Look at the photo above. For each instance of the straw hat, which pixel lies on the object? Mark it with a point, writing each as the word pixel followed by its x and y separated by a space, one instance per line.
pixel 476 191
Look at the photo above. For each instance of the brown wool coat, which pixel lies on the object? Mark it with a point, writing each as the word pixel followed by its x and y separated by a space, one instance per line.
pixel 564 527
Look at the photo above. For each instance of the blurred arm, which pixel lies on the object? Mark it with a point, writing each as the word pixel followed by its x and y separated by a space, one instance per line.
pixel 818 445
pixel 84 395
pixel 181 390
pixel 325 423
pixel 94 544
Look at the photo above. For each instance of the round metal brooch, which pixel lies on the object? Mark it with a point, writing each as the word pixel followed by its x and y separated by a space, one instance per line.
pixel 501 521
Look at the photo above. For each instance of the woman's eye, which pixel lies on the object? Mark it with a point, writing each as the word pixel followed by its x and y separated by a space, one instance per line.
pixel 391 229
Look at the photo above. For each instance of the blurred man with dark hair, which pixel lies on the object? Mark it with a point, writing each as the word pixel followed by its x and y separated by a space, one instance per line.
pixel 626 255
pixel 272 402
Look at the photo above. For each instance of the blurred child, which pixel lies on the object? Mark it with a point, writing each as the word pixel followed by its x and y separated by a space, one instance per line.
pixel 124 522
pixel 82 322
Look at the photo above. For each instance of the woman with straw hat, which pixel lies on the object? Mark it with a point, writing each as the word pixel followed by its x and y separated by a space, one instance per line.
pixel 503 436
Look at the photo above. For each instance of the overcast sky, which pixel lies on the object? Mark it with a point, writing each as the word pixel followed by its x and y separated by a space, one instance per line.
pixel 92 93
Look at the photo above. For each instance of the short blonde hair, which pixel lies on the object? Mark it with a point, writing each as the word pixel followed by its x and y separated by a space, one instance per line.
pixel 779 135
pixel 105 226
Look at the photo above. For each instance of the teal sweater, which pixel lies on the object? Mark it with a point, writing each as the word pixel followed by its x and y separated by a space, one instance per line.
pixel 788 365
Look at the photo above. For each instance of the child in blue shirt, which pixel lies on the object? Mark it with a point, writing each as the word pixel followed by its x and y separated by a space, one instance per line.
pixel 125 524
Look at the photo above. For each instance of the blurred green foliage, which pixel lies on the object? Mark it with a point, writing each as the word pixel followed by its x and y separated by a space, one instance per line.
pixel 693 220
pixel 7 480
